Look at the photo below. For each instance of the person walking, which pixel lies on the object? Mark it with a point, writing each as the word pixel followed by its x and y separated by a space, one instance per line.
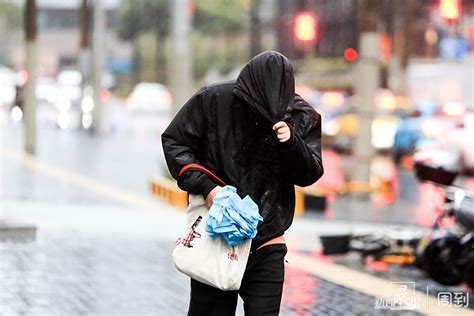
pixel 257 135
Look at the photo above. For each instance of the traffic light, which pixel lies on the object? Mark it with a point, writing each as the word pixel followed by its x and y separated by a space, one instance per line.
pixel 450 9
pixel 305 27
pixel 350 54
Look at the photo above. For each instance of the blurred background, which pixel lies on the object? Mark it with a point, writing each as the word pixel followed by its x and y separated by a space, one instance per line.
pixel 88 86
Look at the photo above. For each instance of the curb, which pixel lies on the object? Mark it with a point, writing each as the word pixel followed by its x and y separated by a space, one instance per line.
pixel 168 190
pixel 9 230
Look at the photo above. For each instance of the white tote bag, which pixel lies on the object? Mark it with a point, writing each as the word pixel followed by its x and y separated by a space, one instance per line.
pixel 210 261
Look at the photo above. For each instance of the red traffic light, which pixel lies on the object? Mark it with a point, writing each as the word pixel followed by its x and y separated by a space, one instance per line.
pixel 450 9
pixel 350 54
pixel 305 27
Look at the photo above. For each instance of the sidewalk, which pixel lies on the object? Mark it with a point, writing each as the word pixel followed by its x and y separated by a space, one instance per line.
pixel 103 246
pixel 96 260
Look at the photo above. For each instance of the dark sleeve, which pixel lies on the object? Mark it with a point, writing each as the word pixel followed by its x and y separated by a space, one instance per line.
pixel 182 141
pixel 301 154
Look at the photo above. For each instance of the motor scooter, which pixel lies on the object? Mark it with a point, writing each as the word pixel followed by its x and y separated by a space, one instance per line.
pixel 446 252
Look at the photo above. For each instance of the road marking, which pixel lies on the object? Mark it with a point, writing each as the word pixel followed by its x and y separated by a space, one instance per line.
pixel 87 183
pixel 368 284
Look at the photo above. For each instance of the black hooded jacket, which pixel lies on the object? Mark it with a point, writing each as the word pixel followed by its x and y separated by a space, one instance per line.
pixel 227 128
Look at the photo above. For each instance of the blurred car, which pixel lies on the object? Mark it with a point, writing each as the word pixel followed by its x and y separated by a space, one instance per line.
pixel 46 90
pixel 457 144
pixel 344 128
pixel 149 97
pixel 74 106
pixel 69 85
pixel 108 80
pixel 8 82
pixel 415 131
pixel 68 98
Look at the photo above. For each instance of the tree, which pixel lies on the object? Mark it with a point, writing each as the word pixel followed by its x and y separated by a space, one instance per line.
pixel 137 17
pixel 225 19
pixel 224 16
pixel 11 14
pixel 255 27
pixel 10 18
pixel 210 18
pixel 144 15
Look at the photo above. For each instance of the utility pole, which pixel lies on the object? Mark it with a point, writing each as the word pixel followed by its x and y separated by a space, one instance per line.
pixel 98 60
pixel 402 37
pixel 181 75
pixel 255 27
pixel 8 229
pixel 84 43
pixel 29 108
pixel 3 36
pixel 284 15
pixel 366 85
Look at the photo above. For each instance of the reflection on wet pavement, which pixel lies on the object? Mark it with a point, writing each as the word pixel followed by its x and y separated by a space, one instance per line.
pixel 305 295
pixel 393 273
pixel 70 273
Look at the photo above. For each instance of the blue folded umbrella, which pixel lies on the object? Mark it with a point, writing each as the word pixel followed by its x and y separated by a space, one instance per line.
pixel 233 218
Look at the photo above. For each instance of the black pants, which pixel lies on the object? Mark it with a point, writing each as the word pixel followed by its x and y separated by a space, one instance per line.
pixel 261 287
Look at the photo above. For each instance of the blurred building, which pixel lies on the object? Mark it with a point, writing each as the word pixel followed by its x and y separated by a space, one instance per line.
pixel 58 37
pixel 434 45
pixel 431 35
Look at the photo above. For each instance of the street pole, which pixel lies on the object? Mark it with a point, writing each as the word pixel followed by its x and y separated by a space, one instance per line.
pixel 98 40
pixel 3 36
pixel 181 74
pixel 402 37
pixel 366 85
pixel 29 108
pixel 285 11
pixel 8 229
pixel 84 44
pixel 255 26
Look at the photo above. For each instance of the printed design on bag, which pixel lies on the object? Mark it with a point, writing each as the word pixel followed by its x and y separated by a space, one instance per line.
pixel 192 233
pixel 232 255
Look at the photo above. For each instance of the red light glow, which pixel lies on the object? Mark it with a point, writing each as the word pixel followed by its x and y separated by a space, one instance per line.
pixel 22 77
pixel 104 95
pixel 305 27
pixel 350 54
pixel 450 9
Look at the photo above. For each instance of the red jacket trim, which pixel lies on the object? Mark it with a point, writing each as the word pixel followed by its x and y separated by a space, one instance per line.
pixel 197 167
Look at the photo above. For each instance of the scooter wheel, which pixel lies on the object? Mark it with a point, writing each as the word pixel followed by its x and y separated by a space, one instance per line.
pixel 441 258
pixel 469 271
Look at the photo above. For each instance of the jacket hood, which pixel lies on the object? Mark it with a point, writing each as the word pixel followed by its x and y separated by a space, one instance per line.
pixel 267 85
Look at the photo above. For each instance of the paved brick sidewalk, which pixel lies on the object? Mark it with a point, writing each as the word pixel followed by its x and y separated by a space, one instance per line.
pixel 72 273
pixel 399 273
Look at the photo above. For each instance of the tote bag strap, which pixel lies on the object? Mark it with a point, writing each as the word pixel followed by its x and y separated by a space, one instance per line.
pixel 197 167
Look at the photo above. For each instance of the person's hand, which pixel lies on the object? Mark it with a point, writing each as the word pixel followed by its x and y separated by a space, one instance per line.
pixel 211 195
pixel 282 131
